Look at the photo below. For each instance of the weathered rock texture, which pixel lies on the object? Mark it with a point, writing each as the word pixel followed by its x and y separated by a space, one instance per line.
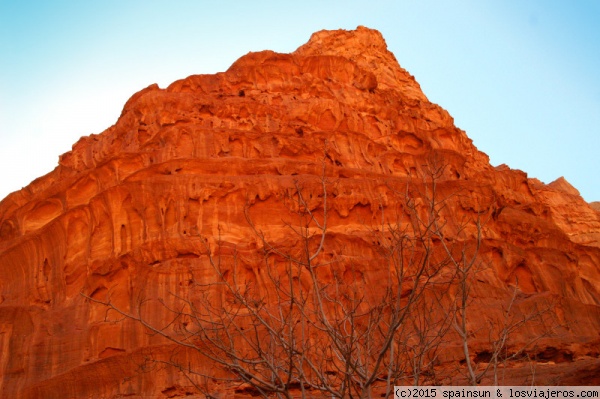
pixel 124 212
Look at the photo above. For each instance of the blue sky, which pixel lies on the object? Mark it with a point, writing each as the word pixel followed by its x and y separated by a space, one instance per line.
pixel 520 77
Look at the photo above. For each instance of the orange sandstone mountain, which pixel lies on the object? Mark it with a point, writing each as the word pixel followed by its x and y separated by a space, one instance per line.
pixel 124 214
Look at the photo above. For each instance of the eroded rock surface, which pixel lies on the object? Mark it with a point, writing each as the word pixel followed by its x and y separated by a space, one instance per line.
pixel 125 213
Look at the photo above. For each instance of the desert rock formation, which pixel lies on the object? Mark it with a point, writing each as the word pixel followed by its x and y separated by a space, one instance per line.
pixel 125 212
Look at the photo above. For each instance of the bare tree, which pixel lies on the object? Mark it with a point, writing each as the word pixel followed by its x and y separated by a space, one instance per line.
pixel 307 321
pixel 466 263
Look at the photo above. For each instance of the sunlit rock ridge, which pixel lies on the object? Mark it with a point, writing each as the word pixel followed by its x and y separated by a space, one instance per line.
pixel 126 212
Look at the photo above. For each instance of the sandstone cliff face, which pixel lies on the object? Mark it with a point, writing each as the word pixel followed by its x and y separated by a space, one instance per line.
pixel 125 212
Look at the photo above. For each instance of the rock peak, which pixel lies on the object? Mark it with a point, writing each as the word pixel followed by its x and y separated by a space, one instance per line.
pixel 340 41
pixel 563 185
pixel 368 49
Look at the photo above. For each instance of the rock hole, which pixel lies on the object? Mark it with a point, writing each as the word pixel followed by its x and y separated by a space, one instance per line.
pixel 99 293
pixel 483 357
pixel 551 354
pixel 186 255
pixel 46 269
pixel 123 238
pixel 252 391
